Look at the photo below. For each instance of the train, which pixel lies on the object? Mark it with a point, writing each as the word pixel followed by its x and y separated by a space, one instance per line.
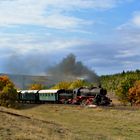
pixel 78 96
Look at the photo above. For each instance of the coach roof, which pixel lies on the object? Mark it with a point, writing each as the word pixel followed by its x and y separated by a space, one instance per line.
pixel 49 91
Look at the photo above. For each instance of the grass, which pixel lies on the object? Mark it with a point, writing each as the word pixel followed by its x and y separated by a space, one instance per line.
pixel 55 122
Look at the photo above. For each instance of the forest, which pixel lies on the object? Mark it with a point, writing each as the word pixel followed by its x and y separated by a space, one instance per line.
pixel 125 85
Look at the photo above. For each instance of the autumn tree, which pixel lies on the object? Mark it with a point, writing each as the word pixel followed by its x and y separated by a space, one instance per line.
pixel 36 86
pixel 8 93
pixel 134 93
pixel 70 84
pixel 62 85
pixel 123 89
pixel 77 84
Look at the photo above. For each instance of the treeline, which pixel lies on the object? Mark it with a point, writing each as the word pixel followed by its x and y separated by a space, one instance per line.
pixel 71 85
pixel 125 85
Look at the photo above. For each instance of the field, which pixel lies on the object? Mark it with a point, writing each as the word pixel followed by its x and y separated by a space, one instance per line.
pixel 55 122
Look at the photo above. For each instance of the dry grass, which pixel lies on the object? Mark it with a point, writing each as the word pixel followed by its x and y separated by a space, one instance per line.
pixel 55 122
pixel 20 127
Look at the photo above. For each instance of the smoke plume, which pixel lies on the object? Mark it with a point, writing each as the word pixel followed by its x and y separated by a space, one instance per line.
pixel 69 69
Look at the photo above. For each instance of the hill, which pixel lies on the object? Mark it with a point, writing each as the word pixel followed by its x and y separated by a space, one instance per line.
pixel 23 81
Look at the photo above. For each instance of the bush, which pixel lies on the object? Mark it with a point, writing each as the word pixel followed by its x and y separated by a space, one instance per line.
pixel 62 85
pixel 134 93
pixel 123 89
pixel 8 94
pixel 36 87
pixel 70 85
pixel 77 84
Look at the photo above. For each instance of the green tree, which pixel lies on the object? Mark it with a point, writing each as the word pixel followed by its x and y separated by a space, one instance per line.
pixel 123 89
pixel 77 84
pixel 70 85
pixel 62 85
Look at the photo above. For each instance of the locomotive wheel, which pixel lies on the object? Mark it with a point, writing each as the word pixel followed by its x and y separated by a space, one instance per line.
pixel 83 103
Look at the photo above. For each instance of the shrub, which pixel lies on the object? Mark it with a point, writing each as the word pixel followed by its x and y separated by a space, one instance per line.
pixel 123 89
pixel 70 85
pixel 36 86
pixel 134 93
pixel 8 94
pixel 62 85
pixel 77 84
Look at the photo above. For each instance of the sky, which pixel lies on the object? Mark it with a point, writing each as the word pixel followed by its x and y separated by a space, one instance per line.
pixel 38 34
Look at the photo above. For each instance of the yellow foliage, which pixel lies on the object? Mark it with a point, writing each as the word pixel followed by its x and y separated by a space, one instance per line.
pixel 62 85
pixel 134 93
pixel 70 85
pixel 8 94
pixel 4 80
pixel 77 84
pixel 36 87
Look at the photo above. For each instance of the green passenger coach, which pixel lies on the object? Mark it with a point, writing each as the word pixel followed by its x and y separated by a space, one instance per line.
pixel 28 95
pixel 48 95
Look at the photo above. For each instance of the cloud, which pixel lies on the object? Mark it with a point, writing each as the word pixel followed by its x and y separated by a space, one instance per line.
pixel 32 12
pixel 129 32
pixel 34 54
pixel 51 29
pixel 133 22
pixel 128 53
pixel 49 13
pixel 136 19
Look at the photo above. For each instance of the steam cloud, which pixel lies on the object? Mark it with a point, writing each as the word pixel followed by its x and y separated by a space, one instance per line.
pixel 70 69
pixel 67 70
pixel 27 64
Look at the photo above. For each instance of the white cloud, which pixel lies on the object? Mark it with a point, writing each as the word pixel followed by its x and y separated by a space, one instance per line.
pixel 35 13
pixel 31 43
pixel 49 13
pixel 129 32
pixel 133 22
pixel 136 19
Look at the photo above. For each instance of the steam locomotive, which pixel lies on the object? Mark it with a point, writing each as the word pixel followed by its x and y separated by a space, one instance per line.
pixel 80 96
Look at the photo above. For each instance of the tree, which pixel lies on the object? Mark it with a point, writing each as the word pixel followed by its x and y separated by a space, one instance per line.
pixel 62 85
pixel 77 84
pixel 123 89
pixel 36 86
pixel 8 93
pixel 71 85
pixel 134 93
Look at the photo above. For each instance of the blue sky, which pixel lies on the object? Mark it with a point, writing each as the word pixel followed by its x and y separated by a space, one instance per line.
pixel 37 34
